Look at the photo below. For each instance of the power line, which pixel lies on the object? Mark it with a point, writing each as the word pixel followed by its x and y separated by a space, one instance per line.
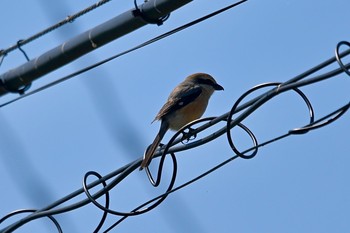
pixel 68 19
pixel 146 43
pixel 152 11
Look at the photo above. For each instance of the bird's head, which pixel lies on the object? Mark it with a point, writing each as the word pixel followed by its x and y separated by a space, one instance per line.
pixel 206 81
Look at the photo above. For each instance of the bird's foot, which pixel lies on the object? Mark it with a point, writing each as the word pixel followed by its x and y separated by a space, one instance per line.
pixel 188 135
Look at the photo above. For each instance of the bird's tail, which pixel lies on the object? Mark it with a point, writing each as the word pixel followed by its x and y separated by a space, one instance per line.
pixel 152 148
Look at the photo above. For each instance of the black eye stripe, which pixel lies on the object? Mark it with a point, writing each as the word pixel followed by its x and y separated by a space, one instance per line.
pixel 206 81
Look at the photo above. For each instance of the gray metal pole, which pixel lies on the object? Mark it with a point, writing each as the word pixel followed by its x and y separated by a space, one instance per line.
pixel 151 11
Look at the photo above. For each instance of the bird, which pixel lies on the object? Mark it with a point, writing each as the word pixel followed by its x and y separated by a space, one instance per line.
pixel 187 102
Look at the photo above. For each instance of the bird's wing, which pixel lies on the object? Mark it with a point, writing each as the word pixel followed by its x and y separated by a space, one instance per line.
pixel 180 97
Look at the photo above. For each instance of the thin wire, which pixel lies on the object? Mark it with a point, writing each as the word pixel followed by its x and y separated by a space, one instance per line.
pixel 26 87
pixel 105 213
pixel 19 46
pixel 342 109
pixel 53 220
pixel 68 19
pixel 3 55
pixel 153 40
pixel 338 57
pixel 138 12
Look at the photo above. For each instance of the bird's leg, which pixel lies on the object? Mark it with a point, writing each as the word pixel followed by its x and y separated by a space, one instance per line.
pixel 189 135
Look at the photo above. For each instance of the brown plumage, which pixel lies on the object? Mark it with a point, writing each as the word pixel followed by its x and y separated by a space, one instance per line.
pixel 187 102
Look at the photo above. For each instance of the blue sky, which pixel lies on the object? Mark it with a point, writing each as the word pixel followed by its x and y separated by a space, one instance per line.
pixel 101 120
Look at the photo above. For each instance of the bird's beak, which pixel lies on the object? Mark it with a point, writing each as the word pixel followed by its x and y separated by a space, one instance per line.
pixel 218 87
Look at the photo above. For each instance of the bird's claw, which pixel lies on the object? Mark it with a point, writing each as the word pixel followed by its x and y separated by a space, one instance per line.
pixel 187 136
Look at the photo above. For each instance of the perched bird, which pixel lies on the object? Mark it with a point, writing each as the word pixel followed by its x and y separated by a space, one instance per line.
pixel 187 102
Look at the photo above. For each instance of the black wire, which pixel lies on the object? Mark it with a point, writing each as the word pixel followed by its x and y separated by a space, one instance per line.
pixel 338 56
pixel 139 12
pixel 2 57
pixel 68 19
pixel 255 105
pixel 53 220
pixel 341 110
pixel 155 39
pixel 93 200
pixel 26 87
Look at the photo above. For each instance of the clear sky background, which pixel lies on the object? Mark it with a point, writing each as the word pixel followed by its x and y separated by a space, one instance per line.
pixel 101 119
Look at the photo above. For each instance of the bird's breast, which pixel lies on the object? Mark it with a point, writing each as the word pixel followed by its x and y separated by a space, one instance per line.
pixel 187 113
